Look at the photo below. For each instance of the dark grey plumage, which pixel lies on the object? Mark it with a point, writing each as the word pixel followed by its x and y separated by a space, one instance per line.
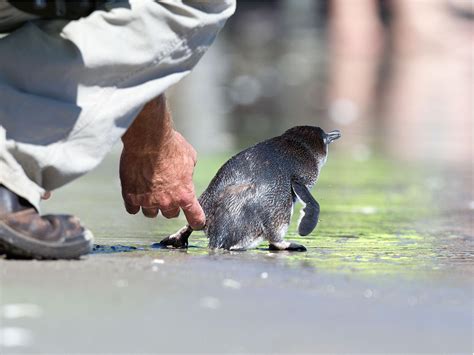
pixel 251 198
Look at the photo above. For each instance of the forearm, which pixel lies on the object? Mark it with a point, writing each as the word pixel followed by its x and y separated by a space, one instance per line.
pixel 151 129
pixel 156 167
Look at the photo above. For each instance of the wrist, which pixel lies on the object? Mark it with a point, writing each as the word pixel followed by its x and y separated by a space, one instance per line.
pixel 152 129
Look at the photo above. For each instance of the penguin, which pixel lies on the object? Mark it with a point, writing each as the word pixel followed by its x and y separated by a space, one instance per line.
pixel 252 196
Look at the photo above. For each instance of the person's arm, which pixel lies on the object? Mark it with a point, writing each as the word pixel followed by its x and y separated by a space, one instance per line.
pixel 156 167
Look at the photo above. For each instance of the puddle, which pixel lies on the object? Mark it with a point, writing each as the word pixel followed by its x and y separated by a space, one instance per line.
pixel 107 249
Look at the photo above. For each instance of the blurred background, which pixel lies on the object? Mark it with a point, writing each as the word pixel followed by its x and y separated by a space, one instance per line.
pixel 396 76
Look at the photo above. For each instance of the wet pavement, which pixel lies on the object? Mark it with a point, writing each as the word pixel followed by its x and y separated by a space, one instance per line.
pixel 389 269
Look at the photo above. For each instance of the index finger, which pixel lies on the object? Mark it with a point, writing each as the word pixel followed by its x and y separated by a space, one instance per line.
pixel 194 215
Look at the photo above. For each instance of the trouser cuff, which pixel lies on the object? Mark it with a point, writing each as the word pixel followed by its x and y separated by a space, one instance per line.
pixel 14 178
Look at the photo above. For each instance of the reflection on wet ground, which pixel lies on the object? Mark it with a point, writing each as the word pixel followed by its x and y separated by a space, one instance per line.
pixel 388 269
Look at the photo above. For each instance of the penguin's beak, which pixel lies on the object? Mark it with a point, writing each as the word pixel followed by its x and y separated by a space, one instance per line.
pixel 332 136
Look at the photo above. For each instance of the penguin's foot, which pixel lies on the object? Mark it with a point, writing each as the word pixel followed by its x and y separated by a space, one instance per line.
pixel 287 246
pixel 177 243
pixel 178 240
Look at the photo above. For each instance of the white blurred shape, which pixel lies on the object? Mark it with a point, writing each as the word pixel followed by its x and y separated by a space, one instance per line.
pixel 368 293
pixel 21 310
pixel 343 111
pixel 245 90
pixel 11 337
pixel 210 302
pixel 229 283
pixel 264 275
pixel 367 210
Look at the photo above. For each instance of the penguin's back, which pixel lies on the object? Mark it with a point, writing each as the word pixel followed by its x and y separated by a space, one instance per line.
pixel 249 198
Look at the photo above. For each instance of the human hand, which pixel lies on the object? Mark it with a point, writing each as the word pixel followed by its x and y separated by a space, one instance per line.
pixel 160 179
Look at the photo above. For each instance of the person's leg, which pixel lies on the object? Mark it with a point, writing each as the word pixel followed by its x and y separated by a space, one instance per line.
pixel 69 90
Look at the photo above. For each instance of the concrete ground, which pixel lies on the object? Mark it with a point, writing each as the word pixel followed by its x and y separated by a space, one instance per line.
pixel 175 302
pixel 414 298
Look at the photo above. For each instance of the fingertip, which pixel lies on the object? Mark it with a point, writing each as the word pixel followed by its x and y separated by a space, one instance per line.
pixel 132 209
pixel 195 215
pixel 150 212
pixel 173 213
pixel 198 225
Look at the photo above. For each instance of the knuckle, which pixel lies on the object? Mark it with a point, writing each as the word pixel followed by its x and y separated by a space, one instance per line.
pixel 166 205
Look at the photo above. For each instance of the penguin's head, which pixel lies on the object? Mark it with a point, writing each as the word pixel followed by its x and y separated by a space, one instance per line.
pixel 312 142
pixel 314 137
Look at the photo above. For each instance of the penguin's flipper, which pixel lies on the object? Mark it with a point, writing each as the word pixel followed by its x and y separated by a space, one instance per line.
pixel 310 216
